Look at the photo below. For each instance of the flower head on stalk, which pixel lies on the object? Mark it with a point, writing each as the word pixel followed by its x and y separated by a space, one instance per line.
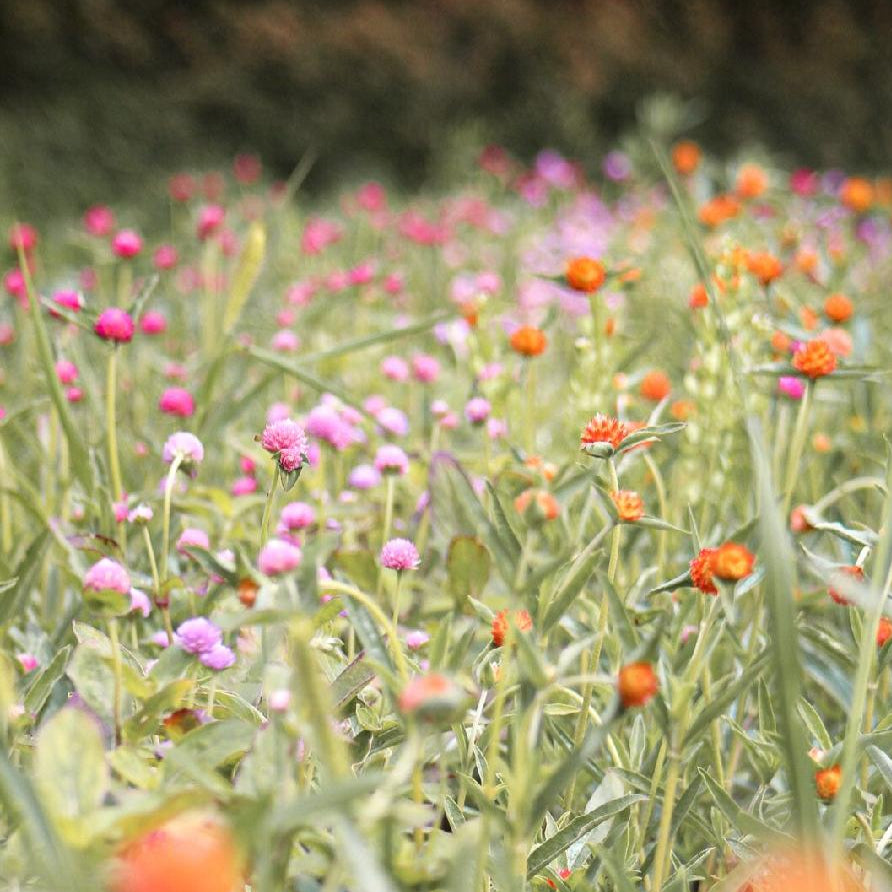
pixel 287 442
pixel 602 436
pixel 186 448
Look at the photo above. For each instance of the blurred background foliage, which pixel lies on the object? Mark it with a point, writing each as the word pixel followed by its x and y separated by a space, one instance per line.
pixel 99 96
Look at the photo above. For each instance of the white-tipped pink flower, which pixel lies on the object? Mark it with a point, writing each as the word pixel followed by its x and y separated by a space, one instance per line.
pixel 400 554
pixel 187 448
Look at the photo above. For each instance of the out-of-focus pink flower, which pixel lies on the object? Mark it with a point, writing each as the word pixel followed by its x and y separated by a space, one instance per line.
pixel 391 460
pixel 244 486
pixel 126 244
pixel 318 235
pixel 477 410
pixel 165 257
pixel 153 322
pixel 114 324
pixel 247 168
pixel 425 368
pixel 192 536
pixel 22 236
pixel 838 340
pixel 791 386
pixel 99 220
pixel 177 401
pixel 181 187
pixel 66 371
pixel 278 557
pixel 372 197
pixel 364 477
pixel 285 341
pixel 69 299
pixel 107 575
pixel 210 219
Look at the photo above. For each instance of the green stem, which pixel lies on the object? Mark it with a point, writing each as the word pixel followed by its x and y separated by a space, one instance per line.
pixel 5 512
pixel 111 428
pixel 165 521
pixel 268 508
pixel 156 581
pixel 796 446
pixel 116 668
pixel 614 542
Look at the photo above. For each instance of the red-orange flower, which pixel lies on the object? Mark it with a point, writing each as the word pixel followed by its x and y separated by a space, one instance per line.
pixel 655 385
pixel 191 853
pixel 800 872
pixel 699 297
pixel 604 429
pixel 751 181
pixel 732 561
pixel 852 572
pixel 799 519
pixel 546 505
pixel 546 468
pixel 528 341
pixel 432 698
pixel 838 308
pixel 686 157
pixel 884 630
pixel 247 591
pixel 715 211
pixel 585 274
pixel 701 571
pixel 857 194
pixel 637 683
pixel 681 410
pixel 814 359
pixel 827 781
pixel 521 620
pixel 764 266
pixel 629 505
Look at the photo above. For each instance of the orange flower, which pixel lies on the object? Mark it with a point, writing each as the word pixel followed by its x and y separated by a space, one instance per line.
pixel 883 191
pixel 537 463
pixel 827 781
pixel 809 318
pixel 800 872
pixel 857 194
pixel 604 429
pixel 798 519
pixel 247 592
pixel 821 442
pixel 681 410
pixel 585 274
pixel 655 385
pixel 686 157
pixel 842 573
pixel 629 505
pixel 698 298
pixel 732 561
pixel 528 341
pixel 432 698
pixel 806 261
pixel 470 313
pixel 752 181
pixel 814 359
pixel 838 308
pixel 637 683
pixel 521 620
pixel 191 853
pixel 547 507
pixel 764 266
pixel 701 571
pixel 717 210
pixel 884 630
pixel 780 342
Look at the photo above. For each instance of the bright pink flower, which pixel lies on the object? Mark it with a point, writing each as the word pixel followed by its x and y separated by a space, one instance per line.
pixel 210 219
pixel 791 386
pixel 70 300
pixel 372 197
pixel 99 220
pixel 247 464
pixel 24 236
pixel 278 557
pixel 477 410
pixel 153 322
pixel 185 446
pixel 362 274
pixel 74 394
pixel 126 244
pixel 318 235
pixel 165 257
pixel 66 370
pixel 395 368
pixel 177 401
pixel 107 576
pixel 296 516
pixel 244 486
pixel 399 554
pixel 114 324
pixel 14 283
pixel 192 536
pixel 284 434
pixel 285 341
pixel 325 423
pixel 28 662
pixel 391 460
pixel 425 368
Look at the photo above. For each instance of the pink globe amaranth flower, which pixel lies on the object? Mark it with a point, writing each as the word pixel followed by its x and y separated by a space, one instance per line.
pixel 296 516
pixel 804 182
pixel 28 662
pixel 120 509
pixel 139 602
pixel 114 324
pixel 393 421
pixel 153 323
pixel 185 446
pixel 247 168
pixel 496 428
pixel 283 434
pixel 165 257
pixel 74 394
pixel 301 293
pixel 371 197
pixel 391 459
pixel 285 341
pixel 325 423
pixel 14 283
pixel 364 477
pixel 126 244
pixel 394 283
pixel 399 554
pixel 416 638
pixel 425 368
pixel 66 371
pixel 198 635
pixel 22 235
pixel 99 220
pixel 285 317
pixel 439 408
pixel 142 513
pixel 69 299
pixel 177 401
pixel 362 274
pixel 477 410
pixel 247 464
pixel 107 575
pixel 181 187
pixel 278 557
pixel 210 219
pixel 318 235
pixel 7 334
pixel 279 700
pixel 395 368
pixel 277 412
pixel 374 404
pixel 192 536
pixel 218 658
pixel 244 486
pixel 791 386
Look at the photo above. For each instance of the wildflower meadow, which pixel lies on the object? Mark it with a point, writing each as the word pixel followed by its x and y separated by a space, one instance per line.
pixel 532 534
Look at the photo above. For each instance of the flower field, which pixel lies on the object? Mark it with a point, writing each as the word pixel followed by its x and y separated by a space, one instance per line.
pixel 533 535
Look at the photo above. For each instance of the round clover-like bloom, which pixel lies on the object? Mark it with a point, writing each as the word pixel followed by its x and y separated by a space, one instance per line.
pixel 219 657
pixel 198 635
pixel 391 459
pixel 477 410
pixel 282 434
pixel 107 576
pixel 399 554
pixel 279 557
pixel 364 477
pixel 177 401
pixel 192 536
pixel 185 446
pixel 126 244
pixel 296 516
pixel 114 324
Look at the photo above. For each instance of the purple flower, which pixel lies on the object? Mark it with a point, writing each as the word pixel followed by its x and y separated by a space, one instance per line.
pixel 107 576
pixel 219 657
pixel 279 557
pixel 399 554
pixel 393 421
pixel 391 460
pixel 198 635
pixel 364 477
pixel 477 410
pixel 296 516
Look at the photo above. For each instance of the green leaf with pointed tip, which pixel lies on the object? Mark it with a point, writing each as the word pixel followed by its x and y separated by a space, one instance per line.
pixel 15 596
pixel 468 564
pixel 45 681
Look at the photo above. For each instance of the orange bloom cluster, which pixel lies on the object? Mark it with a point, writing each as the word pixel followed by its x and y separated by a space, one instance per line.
pixel 528 341
pixel 838 308
pixel 629 505
pixel 547 507
pixel 717 210
pixel 884 630
pixel 701 571
pixel 752 181
pixel 521 620
pixel 764 266
pixel 857 194
pixel 827 781
pixel 637 683
pixel 686 157
pixel 604 429
pixel 655 385
pixel 585 274
pixel 729 562
pixel 814 359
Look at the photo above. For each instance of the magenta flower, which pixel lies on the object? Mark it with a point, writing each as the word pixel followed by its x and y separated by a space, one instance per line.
pixel 68 299
pixel 279 557
pixel 364 477
pixel 325 423
pixel 219 657
pixel 791 386
pixel 126 244
pixel 244 486
pixel 283 434
pixel 114 324
pixel 296 516
pixel 399 554
pixel 99 220
pixel 107 576
pixel 425 368
pixel 165 257
pixel 198 635
pixel 210 219
pixel 24 236
pixel 152 323
pixel 66 371
pixel 395 368
pixel 391 460
pixel 191 536
pixel 477 410
pixel 177 401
